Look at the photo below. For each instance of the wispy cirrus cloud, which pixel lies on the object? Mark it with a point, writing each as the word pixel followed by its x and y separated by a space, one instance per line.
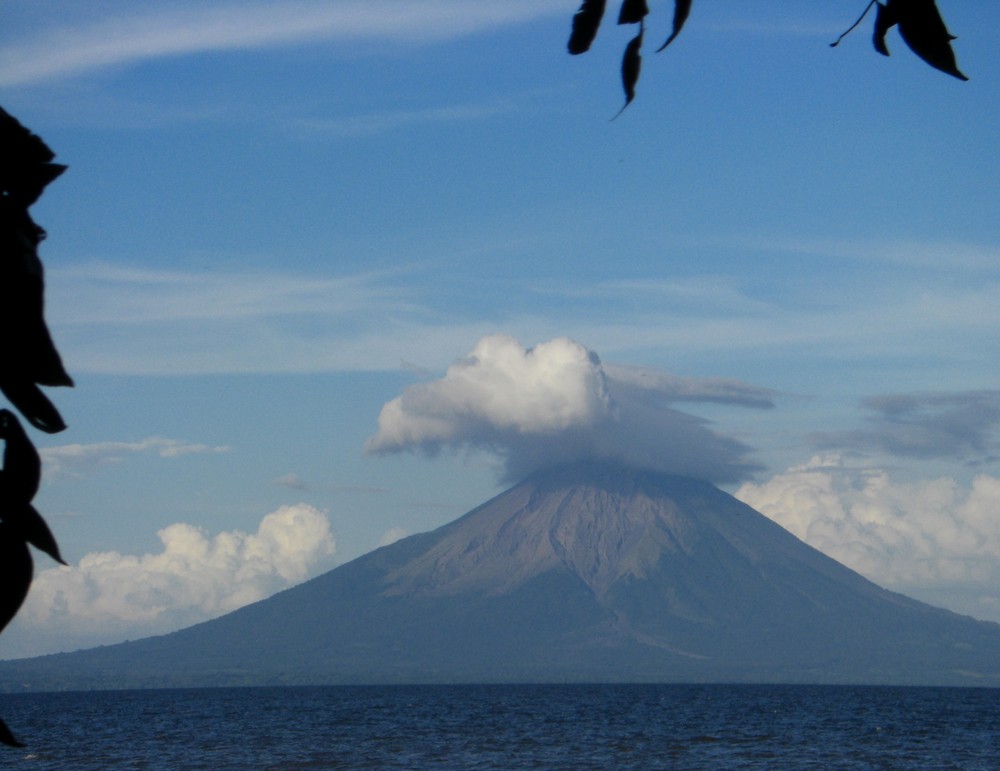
pixel 127 320
pixel 76 459
pixel 960 425
pixel 947 255
pixel 101 293
pixel 124 320
pixel 942 289
pixel 674 388
pixel 123 34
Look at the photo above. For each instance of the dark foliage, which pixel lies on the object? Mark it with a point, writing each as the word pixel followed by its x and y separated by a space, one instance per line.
pixel 6 737
pixel 28 359
pixel 682 8
pixel 921 27
pixel 631 65
pixel 919 21
pixel 633 11
pixel 585 24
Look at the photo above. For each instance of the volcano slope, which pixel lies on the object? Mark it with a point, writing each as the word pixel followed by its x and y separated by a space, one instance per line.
pixel 584 573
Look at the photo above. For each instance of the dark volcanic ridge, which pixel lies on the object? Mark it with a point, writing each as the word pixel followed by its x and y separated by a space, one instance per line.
pixel 586 573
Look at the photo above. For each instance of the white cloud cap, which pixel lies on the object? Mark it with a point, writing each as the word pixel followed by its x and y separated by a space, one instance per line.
pixel 498 388
pixel 556 403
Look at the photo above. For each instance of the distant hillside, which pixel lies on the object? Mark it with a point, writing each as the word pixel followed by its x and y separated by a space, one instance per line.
pixel 587 573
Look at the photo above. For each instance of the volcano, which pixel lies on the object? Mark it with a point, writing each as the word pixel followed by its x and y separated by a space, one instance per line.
pixel 586 573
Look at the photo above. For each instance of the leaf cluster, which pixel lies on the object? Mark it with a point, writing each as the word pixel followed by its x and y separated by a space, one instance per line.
pixel 587 21
pixel 921 27
pixel 29 359
pixel 919 21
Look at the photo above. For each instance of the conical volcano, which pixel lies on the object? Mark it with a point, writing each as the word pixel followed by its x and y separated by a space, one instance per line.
pixel 585 573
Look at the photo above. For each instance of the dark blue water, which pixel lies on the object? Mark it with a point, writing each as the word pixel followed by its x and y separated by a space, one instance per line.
pixel 509 727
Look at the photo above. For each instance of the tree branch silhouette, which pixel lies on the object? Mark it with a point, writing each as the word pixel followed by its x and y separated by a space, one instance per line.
pixel 28 359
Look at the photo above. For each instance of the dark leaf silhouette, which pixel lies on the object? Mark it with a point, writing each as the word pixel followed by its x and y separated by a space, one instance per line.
pixel 28 358
pixel 6 737
pixel 29 349
pixel 27 523
pixel 20 476
pixel 585 24
pixel 885 19
pixel 633 11
pixel 15 572
pixel 631 64
pixel 22 468
pixel 27 167
pixel 923 30
pixel 682 8
pixel 35 181
pixel 34 405
pixel 919 21
pixel 921 27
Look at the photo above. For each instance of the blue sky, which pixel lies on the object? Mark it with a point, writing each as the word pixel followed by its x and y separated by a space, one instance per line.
pixel 281 217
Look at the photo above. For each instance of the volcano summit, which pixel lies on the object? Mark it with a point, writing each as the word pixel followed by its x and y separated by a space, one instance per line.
pixel 584 573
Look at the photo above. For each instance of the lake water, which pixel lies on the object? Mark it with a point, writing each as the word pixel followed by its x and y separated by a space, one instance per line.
pixel 509 727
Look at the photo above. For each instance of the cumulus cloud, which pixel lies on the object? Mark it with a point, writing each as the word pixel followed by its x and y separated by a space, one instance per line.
pixel 557 403
pixel 934 539
pixel 75 459
pixel 108 596
pixel 958 425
